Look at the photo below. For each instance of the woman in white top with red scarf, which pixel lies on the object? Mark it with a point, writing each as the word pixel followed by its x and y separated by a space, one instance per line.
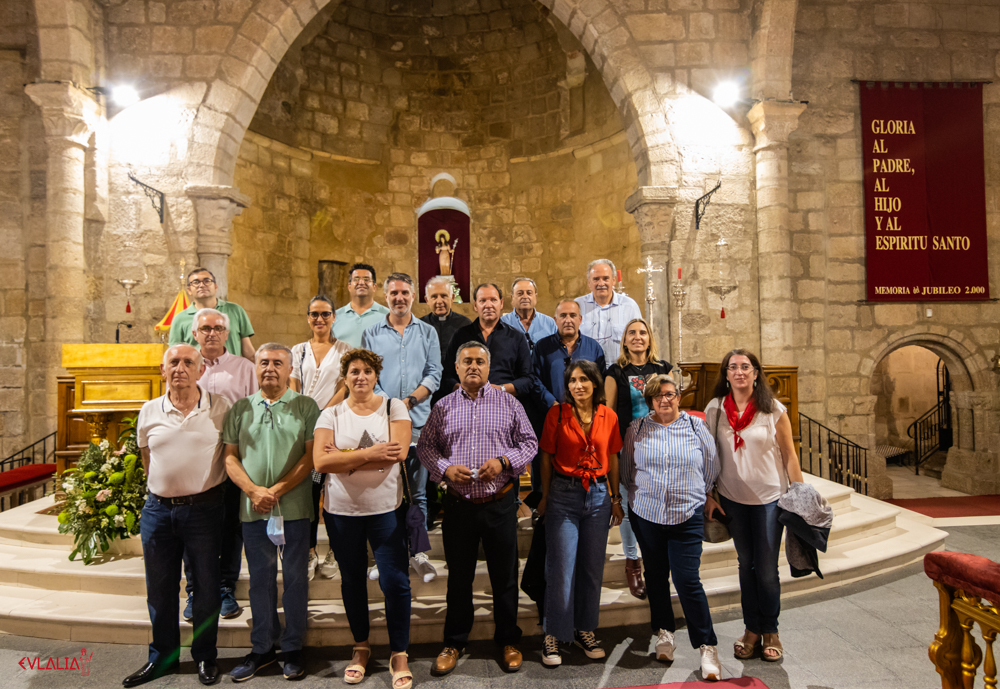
pixel 754 437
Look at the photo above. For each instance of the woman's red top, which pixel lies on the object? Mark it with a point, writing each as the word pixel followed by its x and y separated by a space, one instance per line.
pixel 575 453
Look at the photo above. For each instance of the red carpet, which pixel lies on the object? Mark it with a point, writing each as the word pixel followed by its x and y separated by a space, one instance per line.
pixel 742 682
pixel 969 506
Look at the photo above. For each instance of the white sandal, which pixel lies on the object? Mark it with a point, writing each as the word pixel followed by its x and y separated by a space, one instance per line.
pixel 402 674
pixel 358 668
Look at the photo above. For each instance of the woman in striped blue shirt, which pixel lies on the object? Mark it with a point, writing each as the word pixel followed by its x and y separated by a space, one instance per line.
pixel 669 465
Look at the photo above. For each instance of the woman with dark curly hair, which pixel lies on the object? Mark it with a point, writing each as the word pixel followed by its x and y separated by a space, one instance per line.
pixel 754 438
pixel 359 443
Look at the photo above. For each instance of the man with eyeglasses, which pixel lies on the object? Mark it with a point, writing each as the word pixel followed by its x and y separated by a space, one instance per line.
pixel 269 439
pixel 524 317
pixel 233 378
pixel 201 287
pixel 362 312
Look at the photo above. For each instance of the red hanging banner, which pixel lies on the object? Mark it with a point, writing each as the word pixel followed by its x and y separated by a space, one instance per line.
pixel 925 192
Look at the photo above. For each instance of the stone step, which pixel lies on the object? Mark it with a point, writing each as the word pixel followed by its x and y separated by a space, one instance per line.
pixel 118 618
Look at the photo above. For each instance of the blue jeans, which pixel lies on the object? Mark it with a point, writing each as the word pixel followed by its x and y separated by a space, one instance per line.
pixel 262 562
pixel 349 538
pixel 168 532
pixel 417 474
pixel 577 522
pixel 756 534
pixel 629 544
pixel 675 551
pixel 231 558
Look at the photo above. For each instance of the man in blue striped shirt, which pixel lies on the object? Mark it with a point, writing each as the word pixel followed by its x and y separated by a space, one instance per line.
pixel 606 313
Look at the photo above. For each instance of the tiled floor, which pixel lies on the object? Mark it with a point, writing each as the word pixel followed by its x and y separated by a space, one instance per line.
pixel 871 635
pixel 906 484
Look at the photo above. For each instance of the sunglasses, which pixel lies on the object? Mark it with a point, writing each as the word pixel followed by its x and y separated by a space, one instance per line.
pixel 320 314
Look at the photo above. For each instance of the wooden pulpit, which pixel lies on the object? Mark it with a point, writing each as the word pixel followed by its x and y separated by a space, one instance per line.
pixel 105 383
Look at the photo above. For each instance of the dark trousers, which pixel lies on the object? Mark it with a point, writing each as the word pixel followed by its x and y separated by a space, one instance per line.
pixel 168 533
pixel 675 551
pixel 465 524
pixel 231 552
pixel 314 524
pixel 349 538
pixel 757 537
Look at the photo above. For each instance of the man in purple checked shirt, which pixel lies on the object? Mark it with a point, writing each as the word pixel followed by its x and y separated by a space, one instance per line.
pixel 478 439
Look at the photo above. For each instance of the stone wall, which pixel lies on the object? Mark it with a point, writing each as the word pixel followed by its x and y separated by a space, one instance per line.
pixel 22 230
pixel 840 340
pixel 905 383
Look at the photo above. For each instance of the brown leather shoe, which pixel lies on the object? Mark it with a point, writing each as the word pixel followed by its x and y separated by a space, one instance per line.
pixel 633 574
pixel 511 659
pixel 446 661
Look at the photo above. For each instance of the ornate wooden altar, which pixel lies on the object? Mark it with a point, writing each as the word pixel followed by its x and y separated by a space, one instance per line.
pixel 106 382
pixel 784 381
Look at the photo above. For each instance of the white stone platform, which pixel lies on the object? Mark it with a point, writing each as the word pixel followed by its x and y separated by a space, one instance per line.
pixel 43 594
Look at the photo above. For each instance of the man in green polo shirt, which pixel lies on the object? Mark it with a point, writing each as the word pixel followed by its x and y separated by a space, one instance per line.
pixel 362 311
pixel 201 287
pixel 269 439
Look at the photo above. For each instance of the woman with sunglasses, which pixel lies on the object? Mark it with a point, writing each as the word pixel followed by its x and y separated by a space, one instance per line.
pixel 754 437
pixel 623 387
pixel 579 461
pixel 669 465
pixel 316 374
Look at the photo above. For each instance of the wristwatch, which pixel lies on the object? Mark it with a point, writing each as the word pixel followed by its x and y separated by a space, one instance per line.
pixel 412 401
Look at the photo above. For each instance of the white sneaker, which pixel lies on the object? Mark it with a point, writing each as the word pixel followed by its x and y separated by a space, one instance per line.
pixel 423 567
pixel 665 646
pixel 311 567
pixel 373 573
pixel 710 668
pixel 329 567
pixel 550 651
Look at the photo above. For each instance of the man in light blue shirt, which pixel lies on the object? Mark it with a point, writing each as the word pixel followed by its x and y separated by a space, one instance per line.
pixel 411 372
pixel 362 311
pixel 524 317
pixel 605 312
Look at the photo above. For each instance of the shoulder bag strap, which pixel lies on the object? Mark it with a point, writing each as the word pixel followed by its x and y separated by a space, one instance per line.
pixel 407 493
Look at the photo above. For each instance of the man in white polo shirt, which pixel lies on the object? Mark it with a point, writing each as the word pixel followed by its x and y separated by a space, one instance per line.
pixel 179 435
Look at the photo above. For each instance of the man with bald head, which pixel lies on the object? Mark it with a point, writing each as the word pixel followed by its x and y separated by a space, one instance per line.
pixel 179 435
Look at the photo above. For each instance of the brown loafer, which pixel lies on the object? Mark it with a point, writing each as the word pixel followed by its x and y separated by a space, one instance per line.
pixel 446 661
pixel 633 574
pixel 511 659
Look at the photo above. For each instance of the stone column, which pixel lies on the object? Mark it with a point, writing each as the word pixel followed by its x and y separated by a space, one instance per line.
pixel 772 122
pixel 215 207
pixel 69 115
pixel 653 209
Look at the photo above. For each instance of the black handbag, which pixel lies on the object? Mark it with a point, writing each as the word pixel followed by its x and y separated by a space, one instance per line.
pixel 416 523
pixel 716 531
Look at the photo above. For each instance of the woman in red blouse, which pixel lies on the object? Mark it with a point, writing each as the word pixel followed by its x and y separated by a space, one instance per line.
pixel 580 445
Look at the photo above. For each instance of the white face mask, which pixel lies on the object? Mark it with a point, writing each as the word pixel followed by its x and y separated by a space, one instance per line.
pixel 276 529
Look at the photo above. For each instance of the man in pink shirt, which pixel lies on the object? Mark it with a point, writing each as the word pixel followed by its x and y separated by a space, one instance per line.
pixel 226 374
pixel 234 378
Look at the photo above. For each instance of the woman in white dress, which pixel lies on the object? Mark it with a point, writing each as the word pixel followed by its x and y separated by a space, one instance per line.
pixel 361 443
pixel 316 374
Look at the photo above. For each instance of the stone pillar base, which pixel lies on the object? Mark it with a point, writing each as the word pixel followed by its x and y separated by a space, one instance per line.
pixel 971 472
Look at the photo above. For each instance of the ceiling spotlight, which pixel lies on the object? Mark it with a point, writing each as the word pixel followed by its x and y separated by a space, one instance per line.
pixel 125 96
pixel 726 94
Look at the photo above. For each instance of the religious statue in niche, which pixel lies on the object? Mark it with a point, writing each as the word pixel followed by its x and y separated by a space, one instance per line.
pixel 443 227
pixel 444 251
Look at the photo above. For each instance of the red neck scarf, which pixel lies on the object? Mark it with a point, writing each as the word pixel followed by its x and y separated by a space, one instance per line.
pixel 737 421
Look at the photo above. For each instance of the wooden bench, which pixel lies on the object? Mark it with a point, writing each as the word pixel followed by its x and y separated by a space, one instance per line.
pixel 19 486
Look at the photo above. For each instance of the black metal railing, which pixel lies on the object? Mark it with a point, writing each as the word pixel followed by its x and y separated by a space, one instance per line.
pixel 829 455
pixel 40 452
pixel 930 433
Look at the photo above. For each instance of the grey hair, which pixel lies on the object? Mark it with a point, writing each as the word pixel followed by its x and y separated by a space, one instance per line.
pixel 200 358
pixel 434 281
pixel 523 279
pixel 655 381
pixel 208 312
pixel 473 344
pixel 601 262
pixel 397 276
pixel 272 347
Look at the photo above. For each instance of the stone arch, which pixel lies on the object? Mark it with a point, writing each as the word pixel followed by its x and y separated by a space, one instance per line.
pixel 972 408
pixel 771 45
pixel 272 26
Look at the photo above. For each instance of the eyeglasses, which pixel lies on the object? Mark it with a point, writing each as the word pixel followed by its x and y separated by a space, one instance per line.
pixel 207 329
pixel 668 396
pixel 198 283
pixel 365 281
pixel 745 368
pixel 320 314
